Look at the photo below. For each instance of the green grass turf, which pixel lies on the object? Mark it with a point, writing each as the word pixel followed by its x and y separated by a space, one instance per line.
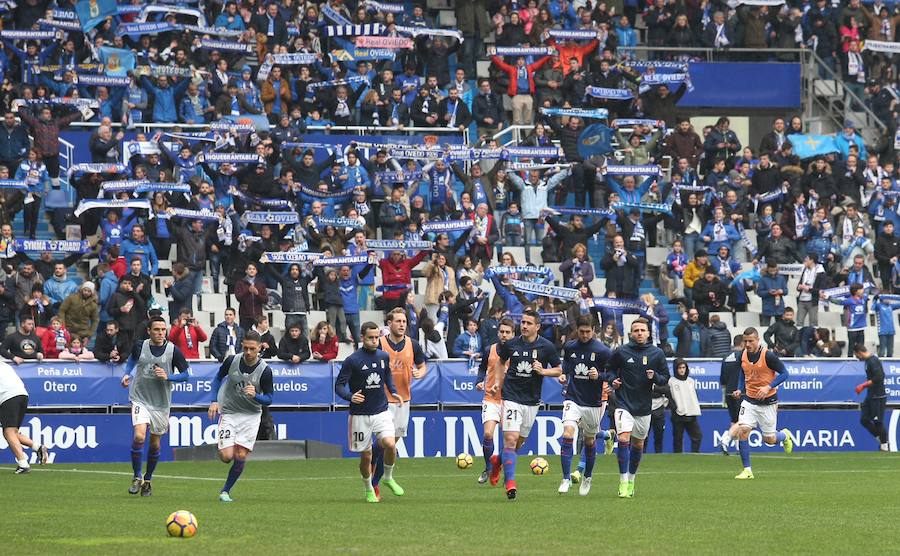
pixel 684 504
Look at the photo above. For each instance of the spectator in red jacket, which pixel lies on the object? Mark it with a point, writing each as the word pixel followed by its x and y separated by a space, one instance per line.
pixel 55 339
pixel 324 342
pixel 521 86
pixel 187 335
pixel 396 278
pixel 250 292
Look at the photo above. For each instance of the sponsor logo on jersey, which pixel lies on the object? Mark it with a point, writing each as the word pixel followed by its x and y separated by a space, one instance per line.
pixel 373 380
pixel 630 360
pixel 581 371
pixel 523 368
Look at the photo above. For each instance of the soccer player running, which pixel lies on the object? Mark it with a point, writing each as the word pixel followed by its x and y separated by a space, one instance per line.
pixel 490 405
pixel 362 381
pixel 13 405
pixel 154 365
pixel 761 374
pixel 584 360
pixel 729 372
pixel 633 370
pixel 528 358
pixel 407 363
pixel 872 408
pixel 241 388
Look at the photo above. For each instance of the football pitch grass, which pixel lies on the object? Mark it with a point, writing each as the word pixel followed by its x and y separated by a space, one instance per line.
pixel 683 504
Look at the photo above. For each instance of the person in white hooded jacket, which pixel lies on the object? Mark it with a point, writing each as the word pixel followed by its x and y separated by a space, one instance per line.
pixel 685 407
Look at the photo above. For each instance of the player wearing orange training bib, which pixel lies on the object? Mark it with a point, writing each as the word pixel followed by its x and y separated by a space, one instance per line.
pixel 490 406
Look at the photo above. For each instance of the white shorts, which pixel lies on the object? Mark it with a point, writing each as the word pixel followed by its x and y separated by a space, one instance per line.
pixel 158 419
pixel 517 417
pixel 638 426
pixel 361 428
pixel 586 417
pixel 238 429
pixel 765 417
pixel 400 415
pixel 490 411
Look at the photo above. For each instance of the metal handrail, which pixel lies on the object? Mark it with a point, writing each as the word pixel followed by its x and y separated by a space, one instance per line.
pixel 708 52
pixel 854 98
pixel 336 128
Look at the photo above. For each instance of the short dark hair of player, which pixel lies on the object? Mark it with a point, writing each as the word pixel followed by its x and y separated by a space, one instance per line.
pixel 860 349
pixel 252 336
pixel 533 314
pixel 261 319
pixel 154 320
pixel 584 320
pixel 368 326
pixel 856 289
pixel 750 332
pixel 641 320
pixel 395 311
pixel 738 341
pixel 507 322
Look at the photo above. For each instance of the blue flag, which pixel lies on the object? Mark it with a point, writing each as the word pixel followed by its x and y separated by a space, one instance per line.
pixel 117 61
pixel 595 139
pixel 91 13
pixel 808 146
pixel 259 121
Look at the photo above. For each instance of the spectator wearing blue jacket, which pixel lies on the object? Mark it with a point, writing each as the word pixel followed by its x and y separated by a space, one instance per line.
pixel 58 287
pixel 139 246
pixel 628 190
pixel 627 36
pixel 34 172
pixel 468 344
pixel 884 307
pixel 772 288
pixel 194 107
pixel 349 283
pixel 719 231
pixel 165 97
pixel 230 19
pixel 353 174
pixel 14 142
pixel 848 136
pixel 109 283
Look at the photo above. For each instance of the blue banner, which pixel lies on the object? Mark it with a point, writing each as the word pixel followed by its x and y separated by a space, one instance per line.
pixel 595 139
pixel 117 61
pixel 342 142
pixel 809 146
pixel 743 85
pixel 91 13
pixel 70 384
pixel 75 438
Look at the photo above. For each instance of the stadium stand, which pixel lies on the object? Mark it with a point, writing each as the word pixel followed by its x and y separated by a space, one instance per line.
pixel 517 141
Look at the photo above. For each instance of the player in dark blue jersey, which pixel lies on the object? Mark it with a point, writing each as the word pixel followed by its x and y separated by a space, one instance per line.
pixel 728 377
pixel 361 381
pixel 872 408
pixel 530 358
pixel 584 360
pixel 633 370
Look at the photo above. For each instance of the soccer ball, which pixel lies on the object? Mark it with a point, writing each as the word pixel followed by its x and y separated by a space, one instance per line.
pixel 539 466
pixel 576 477
pixel 464 461
pixel 181 524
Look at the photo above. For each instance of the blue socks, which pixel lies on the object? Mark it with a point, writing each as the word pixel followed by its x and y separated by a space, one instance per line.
pixel 152 459
pixel 780 437
pixel 624 456
pixel 590 455
pixel 744 449
pixel 565 456
pixel 137 449
pixel 582 462
pixel 237 467
pixel 635 459
pixel 509 464
pixel 377 463
pixel 487 449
